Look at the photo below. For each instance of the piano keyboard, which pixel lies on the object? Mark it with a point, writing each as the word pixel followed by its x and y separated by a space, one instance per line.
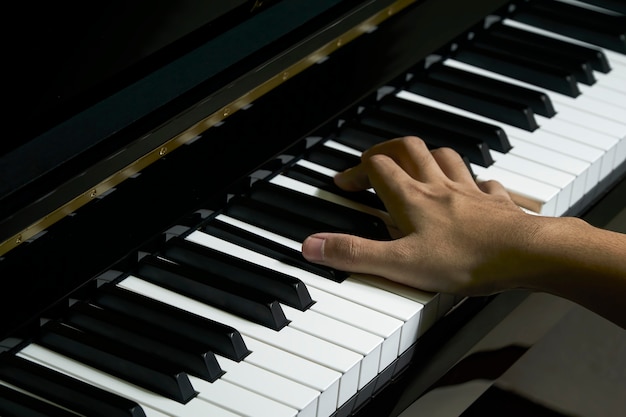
pixel 229 320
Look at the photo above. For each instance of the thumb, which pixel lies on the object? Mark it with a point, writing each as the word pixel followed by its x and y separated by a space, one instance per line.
pixel 344 252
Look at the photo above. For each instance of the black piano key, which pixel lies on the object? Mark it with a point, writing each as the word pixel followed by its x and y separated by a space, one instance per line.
pixel 594 56
pixel 287 289
pixel 494 135
pixel 62 390
pixel 326 183
pixel 216 290
pixel 389 124
pixel 275 220
pixel 17 404
pixel 510 64
pixel 269 248
pixel 332 158
pixel 477 101
pixel 129 364
pixel 598 28
pixel 190 357
pixel 360 137
pixel 580 69
pixel 220 338
pixel 538 101
pixel 338 217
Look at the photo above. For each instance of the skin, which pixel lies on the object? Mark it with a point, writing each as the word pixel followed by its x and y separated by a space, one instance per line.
pixel 454 235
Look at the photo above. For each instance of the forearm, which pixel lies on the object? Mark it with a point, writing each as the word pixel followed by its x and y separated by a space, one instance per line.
pixel 570 258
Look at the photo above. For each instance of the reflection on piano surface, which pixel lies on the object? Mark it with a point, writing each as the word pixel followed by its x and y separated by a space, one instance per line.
pixel 179 288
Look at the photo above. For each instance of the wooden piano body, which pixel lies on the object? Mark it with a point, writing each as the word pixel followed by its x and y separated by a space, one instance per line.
pixel 89 190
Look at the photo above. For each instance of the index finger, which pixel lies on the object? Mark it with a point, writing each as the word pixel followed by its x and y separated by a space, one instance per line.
pixel 410 153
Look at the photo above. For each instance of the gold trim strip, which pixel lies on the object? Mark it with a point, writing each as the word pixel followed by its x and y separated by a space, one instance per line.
pixel 184 137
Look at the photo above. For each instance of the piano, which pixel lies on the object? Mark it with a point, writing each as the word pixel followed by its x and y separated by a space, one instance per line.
pixel 164 162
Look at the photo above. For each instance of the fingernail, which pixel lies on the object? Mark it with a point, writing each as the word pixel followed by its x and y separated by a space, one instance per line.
pixel 313 249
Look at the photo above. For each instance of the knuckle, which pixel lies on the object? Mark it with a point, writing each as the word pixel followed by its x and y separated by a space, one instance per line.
pixel 445 152
pixel 491 186
pixel 412 141
pixel 349 251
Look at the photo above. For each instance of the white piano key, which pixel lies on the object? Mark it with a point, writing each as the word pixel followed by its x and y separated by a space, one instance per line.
pixel 341 334
pixel 605 98
pixel 596 159
pixel 364 318
pixel 261 382
pixel 437 304
pixel 313 375
pixel 609 88
pixel 241 401
pixel 316 167
pixel 618 77
pixel 335 357
pixel 53 360
pixel 591 113
pixel 526 192
pixel 613 90
pixel 610 146
pixel 322 169
pixel 618 74
pixel 409 312
pixel 540 172
pixel 343 148
pixel 564 163
pixel 616 59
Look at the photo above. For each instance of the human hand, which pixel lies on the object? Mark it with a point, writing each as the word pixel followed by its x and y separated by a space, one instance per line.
pixel 453 235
